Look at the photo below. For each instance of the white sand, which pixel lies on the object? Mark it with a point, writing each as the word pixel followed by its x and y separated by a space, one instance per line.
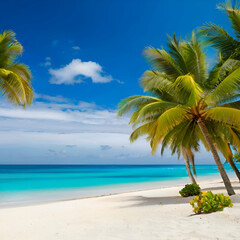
pixel 128 216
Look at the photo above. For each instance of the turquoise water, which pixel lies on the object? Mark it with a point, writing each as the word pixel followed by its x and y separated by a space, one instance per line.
pixel 18 180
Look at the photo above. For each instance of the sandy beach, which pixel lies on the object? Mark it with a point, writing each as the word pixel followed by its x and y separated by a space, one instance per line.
pixel 142 215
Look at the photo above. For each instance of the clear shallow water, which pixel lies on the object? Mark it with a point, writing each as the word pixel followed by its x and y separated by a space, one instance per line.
pixel 28 182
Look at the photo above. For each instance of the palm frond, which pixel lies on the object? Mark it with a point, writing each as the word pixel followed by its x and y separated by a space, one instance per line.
pixel 195 59
pixel 226 88
pixel 155 80
pixel 141 131
pixel 15 78
pixel 166 122
pixel 156 107
pixel 175 136
pixel 22 70
pixel 17 90
pixel 233 13
pixel 232 102
pixel 176 52
pixel 163 62
pixel 131 103
pixel 10 48
pixel 234 137
pixel 219 38
pixel 188 89
pixel 224 115
pixel 221 71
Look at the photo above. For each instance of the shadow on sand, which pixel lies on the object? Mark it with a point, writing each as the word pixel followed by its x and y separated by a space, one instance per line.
pixel 148 201
pixel 222 188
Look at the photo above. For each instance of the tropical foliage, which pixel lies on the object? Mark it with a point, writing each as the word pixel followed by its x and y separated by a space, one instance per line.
pixel 228 49
pixel 218 37
pixel 15 78
pixel 187 104
pixel 208 202
pixel 236 155
pixel 190 190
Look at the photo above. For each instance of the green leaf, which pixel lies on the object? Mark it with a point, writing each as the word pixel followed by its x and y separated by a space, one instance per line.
pixel 134 102
pixel 224 115
pixel 233 13
pixel 163 62
pixel 219 38
pixel 15 78
pixel 188 89
pixel 225 89
pixel 166 122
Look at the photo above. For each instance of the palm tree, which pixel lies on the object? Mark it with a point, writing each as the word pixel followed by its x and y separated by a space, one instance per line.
pixel 228 47
pixel 216 36
pixel 15 78
pixel 182 102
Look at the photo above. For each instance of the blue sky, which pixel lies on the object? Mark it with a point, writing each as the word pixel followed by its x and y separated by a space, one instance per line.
pixel 86 56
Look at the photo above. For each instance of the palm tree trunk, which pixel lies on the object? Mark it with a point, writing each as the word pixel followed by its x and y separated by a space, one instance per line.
pixel 187 165
pixel 189 172
pixel 220 167
pixel 235 169
pixel 229 159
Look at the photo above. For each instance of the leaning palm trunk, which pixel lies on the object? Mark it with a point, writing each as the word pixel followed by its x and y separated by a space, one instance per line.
pixel 235 169
pixel 220 167
pixel 229 158
pixel 187 165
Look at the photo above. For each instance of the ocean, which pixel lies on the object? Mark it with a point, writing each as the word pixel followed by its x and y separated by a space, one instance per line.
pixel 23 184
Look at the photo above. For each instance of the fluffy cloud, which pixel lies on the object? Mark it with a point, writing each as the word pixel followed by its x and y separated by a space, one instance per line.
pixel 76 71
pixel 59 114
pixel 47 62
pixel 58 98
pixel 54 124
pixel 65 112
pixel 76 48
pixel 86 105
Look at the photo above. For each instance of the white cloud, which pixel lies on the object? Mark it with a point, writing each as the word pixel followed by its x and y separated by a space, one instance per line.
pixel 41 133
pixel 35 114
pixel 58 98
pixel 48 113
pixel 47 62
pixel 86 105
pixel 53 124
pixel 76 71
pixel 76 47
pixel 81 114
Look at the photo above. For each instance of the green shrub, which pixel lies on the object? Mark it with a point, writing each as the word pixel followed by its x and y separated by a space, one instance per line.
pixel 190 190
pixel 208 202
